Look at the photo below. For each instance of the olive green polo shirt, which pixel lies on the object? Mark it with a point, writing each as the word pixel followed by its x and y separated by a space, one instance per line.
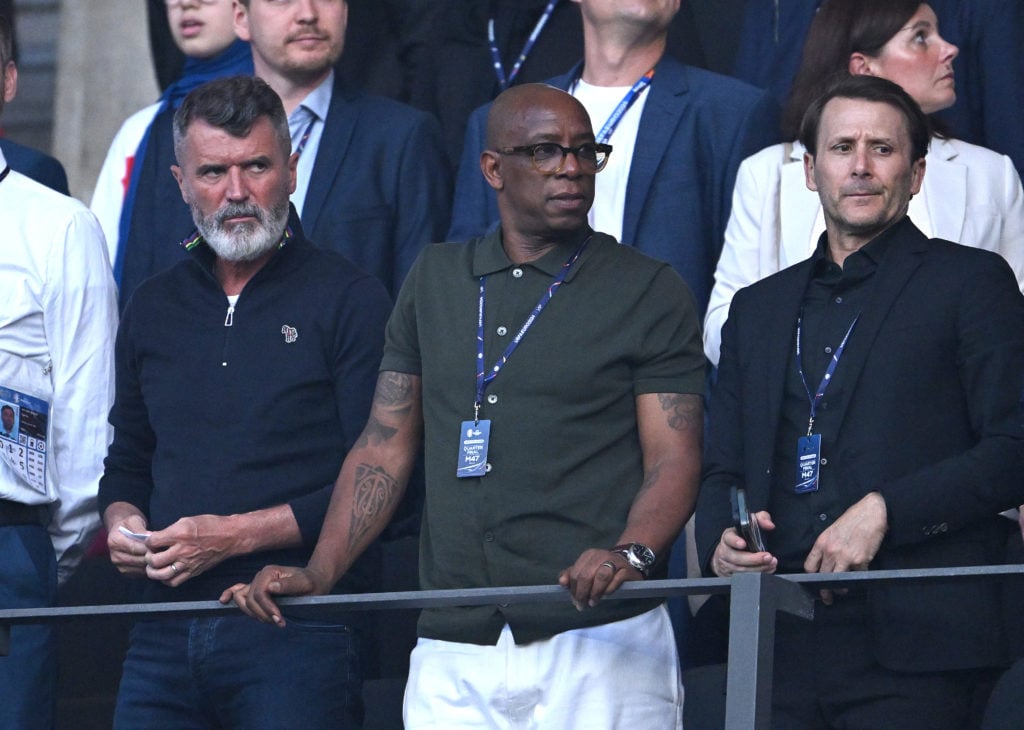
pixel 564 457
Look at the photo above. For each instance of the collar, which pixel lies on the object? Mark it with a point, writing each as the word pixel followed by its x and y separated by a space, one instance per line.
pixel 873 252
pixel 318 101
pixel 489 256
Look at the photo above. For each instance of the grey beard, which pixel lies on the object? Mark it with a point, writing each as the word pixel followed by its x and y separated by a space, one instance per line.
pixel 246 242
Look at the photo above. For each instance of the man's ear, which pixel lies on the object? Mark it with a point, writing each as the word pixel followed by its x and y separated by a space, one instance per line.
pixel 180 178
pixel 10 81
pixel 809 172
pixel 490 166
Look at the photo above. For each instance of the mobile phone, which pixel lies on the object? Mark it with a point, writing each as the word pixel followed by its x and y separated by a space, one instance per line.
pixel 745 522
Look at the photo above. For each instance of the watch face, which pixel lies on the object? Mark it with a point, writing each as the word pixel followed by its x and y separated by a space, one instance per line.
pixel 643 553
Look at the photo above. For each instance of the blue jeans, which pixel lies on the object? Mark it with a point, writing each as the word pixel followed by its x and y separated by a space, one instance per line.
pixel 233 672
pixel 28 675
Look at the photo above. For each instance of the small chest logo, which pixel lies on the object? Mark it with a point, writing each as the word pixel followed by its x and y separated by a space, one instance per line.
pixel 290 333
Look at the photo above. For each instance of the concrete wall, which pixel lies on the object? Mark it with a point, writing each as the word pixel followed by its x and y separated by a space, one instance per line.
pixel 104 75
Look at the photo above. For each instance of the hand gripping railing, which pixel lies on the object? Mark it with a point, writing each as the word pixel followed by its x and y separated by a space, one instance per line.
pixel 756 598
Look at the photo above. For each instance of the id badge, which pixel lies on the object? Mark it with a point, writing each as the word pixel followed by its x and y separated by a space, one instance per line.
pixel 808 457
pixel 473 441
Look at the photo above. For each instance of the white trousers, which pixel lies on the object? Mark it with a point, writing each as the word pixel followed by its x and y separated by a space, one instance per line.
pixel 619 675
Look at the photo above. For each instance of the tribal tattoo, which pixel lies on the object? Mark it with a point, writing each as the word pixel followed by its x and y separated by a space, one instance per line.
pixel 376 491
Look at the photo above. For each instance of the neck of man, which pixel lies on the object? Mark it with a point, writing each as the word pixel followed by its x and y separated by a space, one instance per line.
pixel 524 248
pixel 293 87
pixel 841 243
pixel 620 55
pixel 234 275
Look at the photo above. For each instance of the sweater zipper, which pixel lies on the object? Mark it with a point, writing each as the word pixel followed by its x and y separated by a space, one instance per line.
pixel 229 320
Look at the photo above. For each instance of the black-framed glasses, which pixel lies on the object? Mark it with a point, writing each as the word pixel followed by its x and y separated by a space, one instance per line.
pixel 549 157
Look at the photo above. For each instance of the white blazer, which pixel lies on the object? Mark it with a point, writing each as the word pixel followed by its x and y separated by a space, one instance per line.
pixel 970 195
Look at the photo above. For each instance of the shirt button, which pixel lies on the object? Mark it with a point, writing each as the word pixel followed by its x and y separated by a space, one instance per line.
pixel 823 517
pixel 487 467
pixel 492 399
pixel 824 461
pixel 517 273
pixel 488 537
pixel 839 300
pixel 502 331
pixel 828 350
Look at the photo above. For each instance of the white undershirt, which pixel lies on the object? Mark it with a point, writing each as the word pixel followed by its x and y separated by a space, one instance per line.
pixel 610 194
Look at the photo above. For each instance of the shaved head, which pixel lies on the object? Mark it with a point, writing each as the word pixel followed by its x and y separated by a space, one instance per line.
pixel 509 111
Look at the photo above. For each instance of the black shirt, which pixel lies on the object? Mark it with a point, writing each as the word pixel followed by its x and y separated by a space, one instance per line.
pixel 835 296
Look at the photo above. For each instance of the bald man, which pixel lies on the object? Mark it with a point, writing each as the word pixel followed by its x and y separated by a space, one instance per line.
pixel 573 455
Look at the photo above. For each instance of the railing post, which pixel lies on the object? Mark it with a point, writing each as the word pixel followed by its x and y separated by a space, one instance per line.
pixel 755 600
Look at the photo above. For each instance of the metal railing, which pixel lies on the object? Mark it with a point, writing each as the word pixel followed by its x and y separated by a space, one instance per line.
pixel 755 600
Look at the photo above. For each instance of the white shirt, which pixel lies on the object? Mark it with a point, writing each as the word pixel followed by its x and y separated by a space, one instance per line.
pixel 112 183
pixel 58 319
pixel 608 210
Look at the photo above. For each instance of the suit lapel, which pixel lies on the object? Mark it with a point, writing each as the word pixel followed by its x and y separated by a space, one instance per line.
pixel 659 119
pixel 338 129
pixel 798 210
pixel 778 336
pixel 902 259
pixel 945 191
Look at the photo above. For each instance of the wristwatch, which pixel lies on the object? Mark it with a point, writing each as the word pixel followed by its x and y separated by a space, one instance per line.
pixel 638 556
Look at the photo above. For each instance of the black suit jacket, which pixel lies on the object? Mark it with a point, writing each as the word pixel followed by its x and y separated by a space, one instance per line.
pixel 930 417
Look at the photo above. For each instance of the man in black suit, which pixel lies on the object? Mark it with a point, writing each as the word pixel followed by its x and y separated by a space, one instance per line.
pixel 869 401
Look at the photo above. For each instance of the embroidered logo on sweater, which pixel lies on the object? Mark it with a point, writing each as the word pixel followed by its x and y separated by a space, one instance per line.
pixel 290 333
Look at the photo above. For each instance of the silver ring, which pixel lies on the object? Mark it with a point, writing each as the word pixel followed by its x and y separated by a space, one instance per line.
pixel 174 568
pixel 610 564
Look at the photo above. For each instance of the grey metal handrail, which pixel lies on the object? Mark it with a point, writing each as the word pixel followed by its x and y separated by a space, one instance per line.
pixel 755 600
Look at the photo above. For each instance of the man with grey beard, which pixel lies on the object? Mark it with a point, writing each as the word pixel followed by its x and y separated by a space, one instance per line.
pixel 243 376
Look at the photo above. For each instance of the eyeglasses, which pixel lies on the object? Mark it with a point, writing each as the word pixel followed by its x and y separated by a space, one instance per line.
pixel 549 157
pixel 179 3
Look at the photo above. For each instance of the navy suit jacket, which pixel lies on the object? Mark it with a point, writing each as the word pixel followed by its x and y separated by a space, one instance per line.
pixel 378 193
pixel 695 129
pixel 35 164
pixel 930 413
pixel 380 189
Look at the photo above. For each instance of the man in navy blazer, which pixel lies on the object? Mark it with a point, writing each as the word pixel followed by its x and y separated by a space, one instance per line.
pixel 372 177
pixel 869 400
pixel 688 132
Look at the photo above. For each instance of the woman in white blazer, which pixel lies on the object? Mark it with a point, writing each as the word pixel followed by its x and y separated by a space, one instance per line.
pixel 970 194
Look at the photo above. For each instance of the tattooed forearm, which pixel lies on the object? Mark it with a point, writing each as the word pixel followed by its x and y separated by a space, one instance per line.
pixel 394 391
pixel 375 493
pixel 375 431
pixel 650 477
pixel 685 410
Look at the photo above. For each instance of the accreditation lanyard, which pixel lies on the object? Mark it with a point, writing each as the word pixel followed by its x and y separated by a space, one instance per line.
pixel 826 379
pixel 485 379
pixel 808 452
pixel 475 435
pixel 499 68
pixel 623 106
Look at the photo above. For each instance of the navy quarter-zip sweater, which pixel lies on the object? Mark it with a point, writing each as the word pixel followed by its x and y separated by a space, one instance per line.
pixel 224 410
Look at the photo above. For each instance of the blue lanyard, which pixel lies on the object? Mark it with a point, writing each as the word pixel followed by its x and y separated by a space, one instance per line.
pixel 499 69
pixel 482 379
pixel 620 111
pixel 827 377
pixel 305 136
